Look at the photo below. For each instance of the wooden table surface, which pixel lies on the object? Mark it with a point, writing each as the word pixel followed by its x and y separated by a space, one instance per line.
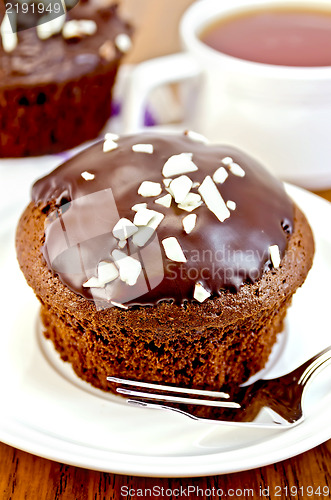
pixel 25 476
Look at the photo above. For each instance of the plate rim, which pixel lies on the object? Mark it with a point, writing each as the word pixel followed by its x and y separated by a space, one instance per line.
pixel 171 466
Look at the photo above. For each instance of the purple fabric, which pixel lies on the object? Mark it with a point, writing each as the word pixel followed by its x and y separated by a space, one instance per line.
pixel 115 108
pixel 149 117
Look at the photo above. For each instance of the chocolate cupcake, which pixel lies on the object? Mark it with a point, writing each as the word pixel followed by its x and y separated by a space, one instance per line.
pixel 163 258
pixel 56 79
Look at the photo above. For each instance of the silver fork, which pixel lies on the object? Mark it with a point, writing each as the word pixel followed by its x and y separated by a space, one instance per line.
pixel 264 403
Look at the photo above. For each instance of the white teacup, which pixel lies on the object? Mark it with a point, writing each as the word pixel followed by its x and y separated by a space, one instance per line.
pixel 280 115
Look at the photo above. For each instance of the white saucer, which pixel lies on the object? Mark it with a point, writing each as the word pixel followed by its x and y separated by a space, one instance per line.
pixel 48 411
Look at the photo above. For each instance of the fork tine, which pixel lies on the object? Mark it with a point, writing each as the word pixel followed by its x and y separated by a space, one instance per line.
pixel 176 399
pixel 319 361
pixel 155 406
pixel 168 388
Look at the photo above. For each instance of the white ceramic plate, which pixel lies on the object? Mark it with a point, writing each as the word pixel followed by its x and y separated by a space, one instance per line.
pixel 48 411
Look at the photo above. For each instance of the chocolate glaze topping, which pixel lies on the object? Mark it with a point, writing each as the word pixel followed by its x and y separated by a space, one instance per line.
pixel 220 255
pixel 55 60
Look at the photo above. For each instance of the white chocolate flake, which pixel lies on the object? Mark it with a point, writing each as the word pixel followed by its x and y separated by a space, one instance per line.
pixel 200 293
pixel 144 216
pixel 165 201
pixel 142 236
pixel 275 255
pixel 180 188
pixel 124 229
pixel 232 205
pixel 109 136
pixel 143 148
pixel 195 136
pixel 191 202
pixel 167 182
pixel 92 283
pixel 123 42
pixel 138 206
pixel 8 36
pixel 213 199
pixel 189 223
pixel 78 28
pixel 107 50
pixel 227 160
pixel 107 272
pixel 87 176
pixel 173 250
pixel 236 169
pixel 121 243
pixel 149 188
pixel 129 267
pixel 146 232
pixel 49 28
pixel 220 175
pixel 179 164
pixel 109 145
pixel 156 221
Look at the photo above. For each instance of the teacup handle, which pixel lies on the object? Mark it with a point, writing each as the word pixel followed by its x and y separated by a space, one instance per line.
pixel 148 75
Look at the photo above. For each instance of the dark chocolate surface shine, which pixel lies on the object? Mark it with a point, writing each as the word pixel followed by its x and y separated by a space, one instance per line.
pixel 220 255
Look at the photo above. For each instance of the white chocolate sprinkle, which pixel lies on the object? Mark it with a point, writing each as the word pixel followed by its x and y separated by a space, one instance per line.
pixel 155 222
pixel 123 42
pixel 165 201
pixel 180 188
pixel 236 169
pixel 79 28
pixel 109 136
pixel 173 250
pixel 195 184
pixel 107 272
pixel 109 145
pixel 189 223
pixel 121 243
pixel 195 136
pixel 275 255
pixel 8 36
pixel 149 188
pixel 144 216
pixel 47 29
pixel 146 232
pixel 124 229
pixel 227 160
pixel 200 293
pixel 92 283
pixel 220 175
pixel 232 205
pixel 191 202
pixel 142 236
pixel 143 148
pixel 129 267
pixel 213 199
pixel 166 182
pixel 138 206
pixel 87 176
pixel 179 164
